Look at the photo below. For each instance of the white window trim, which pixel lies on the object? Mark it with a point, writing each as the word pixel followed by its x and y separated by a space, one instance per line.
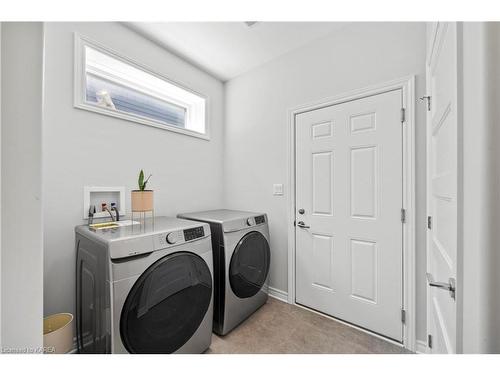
pixel 79 94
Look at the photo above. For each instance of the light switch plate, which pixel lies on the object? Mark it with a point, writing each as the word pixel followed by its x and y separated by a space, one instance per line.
pixel 278 189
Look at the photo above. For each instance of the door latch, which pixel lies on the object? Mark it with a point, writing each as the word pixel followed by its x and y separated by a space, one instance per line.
pixel 302 225
pixel 449 286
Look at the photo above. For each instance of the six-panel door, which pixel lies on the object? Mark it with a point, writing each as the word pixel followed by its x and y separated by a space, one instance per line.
pixel 349 184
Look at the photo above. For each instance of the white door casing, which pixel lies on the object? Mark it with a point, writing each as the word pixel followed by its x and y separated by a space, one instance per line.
pixel 442 186
pixel 349 181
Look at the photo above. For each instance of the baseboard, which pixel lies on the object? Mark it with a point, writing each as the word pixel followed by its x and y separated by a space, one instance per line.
pixel 421 347
pixel 278 294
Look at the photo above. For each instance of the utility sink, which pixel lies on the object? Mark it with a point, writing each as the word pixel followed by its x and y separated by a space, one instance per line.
pixel 113 224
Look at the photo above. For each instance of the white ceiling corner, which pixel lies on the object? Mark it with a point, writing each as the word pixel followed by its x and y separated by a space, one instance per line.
pixel 228 49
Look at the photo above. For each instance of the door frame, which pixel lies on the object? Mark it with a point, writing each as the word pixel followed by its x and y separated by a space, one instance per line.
pixel 407 85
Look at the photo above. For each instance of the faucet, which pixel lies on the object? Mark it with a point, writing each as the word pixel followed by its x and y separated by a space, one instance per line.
pixel 91 214
pixel 109 212
pixel 114 208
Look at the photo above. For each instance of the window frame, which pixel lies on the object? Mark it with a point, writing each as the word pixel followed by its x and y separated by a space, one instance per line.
pixel 79 95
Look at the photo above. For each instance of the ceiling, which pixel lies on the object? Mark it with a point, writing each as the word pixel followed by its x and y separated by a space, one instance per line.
pixel 228 49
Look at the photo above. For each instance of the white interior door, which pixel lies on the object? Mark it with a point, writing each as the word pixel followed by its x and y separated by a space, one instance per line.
pixel 348 198
pixel 442 187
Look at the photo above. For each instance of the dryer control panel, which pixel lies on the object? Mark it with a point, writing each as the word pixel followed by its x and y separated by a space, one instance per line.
pixel 257 220
pixel 260 219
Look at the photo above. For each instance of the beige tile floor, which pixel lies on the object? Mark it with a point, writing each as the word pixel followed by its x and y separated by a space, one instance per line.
pixel 278 327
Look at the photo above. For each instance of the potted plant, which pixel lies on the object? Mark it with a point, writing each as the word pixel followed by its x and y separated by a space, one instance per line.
pixel 142 199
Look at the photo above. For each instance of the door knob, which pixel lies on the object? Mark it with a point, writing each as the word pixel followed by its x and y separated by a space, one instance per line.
pixel 302 225
pixel 302 211
pixel 449 286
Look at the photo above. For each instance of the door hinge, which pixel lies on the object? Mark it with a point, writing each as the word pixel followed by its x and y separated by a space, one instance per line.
pixel 429 341
pixel 429 222
pixel 428 98
pixel 403 215
pixel 403 316
pixel 403 115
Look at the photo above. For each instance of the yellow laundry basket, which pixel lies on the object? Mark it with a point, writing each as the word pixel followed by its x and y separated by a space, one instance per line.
pixel 58 333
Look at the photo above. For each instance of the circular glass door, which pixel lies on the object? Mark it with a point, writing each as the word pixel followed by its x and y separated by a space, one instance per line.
pixel 166 305
pixel 249 265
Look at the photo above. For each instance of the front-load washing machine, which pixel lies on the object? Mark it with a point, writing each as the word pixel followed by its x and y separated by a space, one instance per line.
pixel 240 243
pixel 144 288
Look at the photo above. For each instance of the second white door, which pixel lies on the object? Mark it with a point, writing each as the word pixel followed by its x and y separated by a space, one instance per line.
pixel 349 231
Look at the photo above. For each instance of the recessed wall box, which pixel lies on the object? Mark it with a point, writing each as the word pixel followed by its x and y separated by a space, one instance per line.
pixel 96 195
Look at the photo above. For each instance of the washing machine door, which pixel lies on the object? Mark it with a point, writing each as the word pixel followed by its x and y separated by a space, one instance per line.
pixel 249 265
pixel 166 304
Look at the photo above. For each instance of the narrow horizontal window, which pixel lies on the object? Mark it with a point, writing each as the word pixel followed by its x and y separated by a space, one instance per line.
pixel 111 85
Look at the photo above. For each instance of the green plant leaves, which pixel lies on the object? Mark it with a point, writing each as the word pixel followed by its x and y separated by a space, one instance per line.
pixel 142 183
pixel 141 180
pixel 145 182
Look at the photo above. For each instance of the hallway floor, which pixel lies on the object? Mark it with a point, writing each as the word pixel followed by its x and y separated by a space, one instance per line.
pixel 278 327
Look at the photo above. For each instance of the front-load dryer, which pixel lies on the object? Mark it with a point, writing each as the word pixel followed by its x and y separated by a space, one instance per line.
pixel 145 288
pixel 242 256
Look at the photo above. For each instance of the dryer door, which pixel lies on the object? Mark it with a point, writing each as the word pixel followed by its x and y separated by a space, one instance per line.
pixel 166 304
pixel 249 265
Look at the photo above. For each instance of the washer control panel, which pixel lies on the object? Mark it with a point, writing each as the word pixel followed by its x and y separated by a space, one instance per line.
pixel 193 233
pixel 163 240
pixel 260 219
pixel 179 236
pixel 172 237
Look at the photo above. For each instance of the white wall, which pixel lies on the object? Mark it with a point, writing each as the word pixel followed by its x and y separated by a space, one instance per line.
pixel 479 291
pixel 0 183
pixel 84 148
pixel 21 220
pixel 257 102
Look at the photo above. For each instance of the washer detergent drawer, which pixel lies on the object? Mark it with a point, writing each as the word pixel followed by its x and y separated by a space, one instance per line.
pixel 131 247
